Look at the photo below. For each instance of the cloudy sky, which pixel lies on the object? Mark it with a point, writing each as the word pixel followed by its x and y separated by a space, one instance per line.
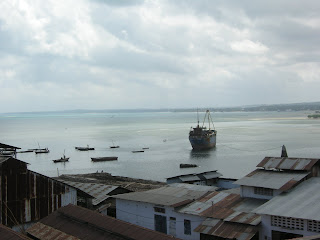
pixel 124 54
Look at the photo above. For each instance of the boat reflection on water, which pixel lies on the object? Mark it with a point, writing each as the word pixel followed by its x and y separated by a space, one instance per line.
pixel 200 154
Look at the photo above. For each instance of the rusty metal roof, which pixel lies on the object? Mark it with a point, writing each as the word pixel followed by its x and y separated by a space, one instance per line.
pixel 272 179
pixel 100 192
pixel 226 230
pixel 42 231
pixel 300 202
pixel 86 224
pixel 288 163
pixel 225 206
pixel 167 196
pixel 8 233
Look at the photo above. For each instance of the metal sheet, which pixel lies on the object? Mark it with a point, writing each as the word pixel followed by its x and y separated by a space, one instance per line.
pixel 227 230
pixel 300 202
pixel 225 206
pixel 288 163
pixel 271 179
pixel 166 196
pixel 80 223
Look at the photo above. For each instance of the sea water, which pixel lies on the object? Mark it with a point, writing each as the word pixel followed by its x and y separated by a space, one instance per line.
pixel 243 140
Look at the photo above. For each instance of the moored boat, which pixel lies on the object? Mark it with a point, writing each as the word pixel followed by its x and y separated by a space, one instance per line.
pixel 202 138
pixel 87 148
pixel 101 159
pixel 62 159
pixel 45 150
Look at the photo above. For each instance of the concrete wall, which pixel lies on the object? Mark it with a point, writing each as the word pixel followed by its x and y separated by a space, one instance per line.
pixel 142 214
pixel 266 229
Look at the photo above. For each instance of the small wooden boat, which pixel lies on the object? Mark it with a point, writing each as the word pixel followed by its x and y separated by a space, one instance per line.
pixel 101 159
pixel 46 150
pixel 62 159
pixel 113 146
pixel 84 148
pixel 186 165
pixel 36 149
pixel 145 148
pixel 138 151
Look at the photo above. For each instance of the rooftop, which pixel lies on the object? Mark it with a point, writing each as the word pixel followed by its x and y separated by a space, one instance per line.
pixel 8 233
pixel 272 179
pixel 172 195
pixel 99 192
pixel 225 206
pixel 282 163
pixel 80 223
pixel 300 202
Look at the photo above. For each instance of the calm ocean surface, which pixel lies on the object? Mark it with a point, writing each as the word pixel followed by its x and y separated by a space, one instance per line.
pixel 243 140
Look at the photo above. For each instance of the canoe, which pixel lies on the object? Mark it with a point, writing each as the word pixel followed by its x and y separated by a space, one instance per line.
pixel 61 160
pixel 101 159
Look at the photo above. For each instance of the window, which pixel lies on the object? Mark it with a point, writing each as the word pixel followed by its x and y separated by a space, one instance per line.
pixel 263 191
pixel 159 210
pixel 313 226
pixel 287 222
pixel 187 227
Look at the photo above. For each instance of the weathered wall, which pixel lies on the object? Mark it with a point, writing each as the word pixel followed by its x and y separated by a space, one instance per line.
pixel 142 214
pixel 28 196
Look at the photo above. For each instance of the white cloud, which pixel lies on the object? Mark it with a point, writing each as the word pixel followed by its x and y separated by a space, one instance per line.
pixel 248 46
pixel 155 53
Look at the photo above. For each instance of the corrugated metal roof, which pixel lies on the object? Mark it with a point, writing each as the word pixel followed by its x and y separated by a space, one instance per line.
pixel 8 233
pixel 166 196
pixel 189 178
pixel 288 163
pixel 42 231
pixel 211 175
pixel 225 206
pixel 86 224
pixel 100 192
pixel 272 179
pixel 194 187
pixel 301 202
pixel 226 230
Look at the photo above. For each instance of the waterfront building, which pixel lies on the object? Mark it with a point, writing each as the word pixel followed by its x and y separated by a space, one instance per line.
pixel 74 222
pixel 275 175
pixel 27 196
pixel 294 214
pixel 157 209
pixel 210 178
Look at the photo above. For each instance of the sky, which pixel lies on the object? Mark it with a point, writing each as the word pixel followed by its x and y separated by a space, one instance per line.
pixel 128 54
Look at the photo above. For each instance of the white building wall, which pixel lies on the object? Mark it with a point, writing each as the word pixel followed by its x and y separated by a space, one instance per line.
pixel 247 191
pixel 142 214
pixel 266 229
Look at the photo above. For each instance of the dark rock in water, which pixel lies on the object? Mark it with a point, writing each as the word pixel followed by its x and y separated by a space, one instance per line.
pixel 185 165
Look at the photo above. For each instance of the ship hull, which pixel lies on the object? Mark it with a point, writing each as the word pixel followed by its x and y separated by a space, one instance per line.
pixel 202 142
